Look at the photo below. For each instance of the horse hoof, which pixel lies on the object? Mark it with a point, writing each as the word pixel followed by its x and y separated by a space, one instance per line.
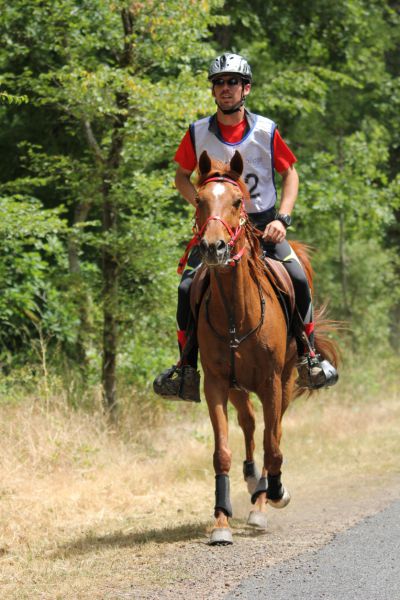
pixel 221 536
pixel 257 519
pixel 284 501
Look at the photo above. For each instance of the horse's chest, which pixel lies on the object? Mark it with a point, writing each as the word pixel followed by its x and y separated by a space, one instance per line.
pixel 252 361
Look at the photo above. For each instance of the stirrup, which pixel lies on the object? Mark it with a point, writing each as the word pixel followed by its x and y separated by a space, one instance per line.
pixel 178 383
pixel 315 373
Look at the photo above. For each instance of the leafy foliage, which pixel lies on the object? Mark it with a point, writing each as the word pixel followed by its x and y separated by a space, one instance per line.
pixel 91 104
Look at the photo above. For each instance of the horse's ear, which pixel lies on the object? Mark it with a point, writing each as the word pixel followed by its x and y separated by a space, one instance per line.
pixel 236 163
pixel 204 163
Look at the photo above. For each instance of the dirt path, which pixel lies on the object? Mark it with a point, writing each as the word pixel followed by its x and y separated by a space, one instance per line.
pixel 192 569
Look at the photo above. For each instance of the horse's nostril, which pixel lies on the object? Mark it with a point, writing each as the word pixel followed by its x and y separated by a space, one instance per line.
pixel 220 245
pixel 203 246
pixel 213 250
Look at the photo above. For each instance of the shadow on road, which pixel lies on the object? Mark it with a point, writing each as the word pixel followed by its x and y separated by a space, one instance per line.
pixel 90 542
pixel 183 533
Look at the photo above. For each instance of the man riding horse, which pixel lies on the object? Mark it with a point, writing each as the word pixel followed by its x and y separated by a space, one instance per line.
pixel 263 151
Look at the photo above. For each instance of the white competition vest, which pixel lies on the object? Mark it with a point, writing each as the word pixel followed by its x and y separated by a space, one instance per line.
pixel 256 149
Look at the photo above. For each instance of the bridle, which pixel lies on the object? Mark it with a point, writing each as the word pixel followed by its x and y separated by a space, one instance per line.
pixel 234 233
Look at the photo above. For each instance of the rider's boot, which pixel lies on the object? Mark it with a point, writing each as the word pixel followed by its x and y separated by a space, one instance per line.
pixel 181 381
pixel 314 372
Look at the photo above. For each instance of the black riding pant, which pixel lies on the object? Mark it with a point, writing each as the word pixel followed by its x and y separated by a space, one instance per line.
pixel 282 252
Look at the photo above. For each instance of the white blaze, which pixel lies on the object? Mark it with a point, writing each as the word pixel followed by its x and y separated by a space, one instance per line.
pixel 218 189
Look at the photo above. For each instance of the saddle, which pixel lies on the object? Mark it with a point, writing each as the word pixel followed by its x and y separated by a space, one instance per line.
pixel 283 287
pixel 278 276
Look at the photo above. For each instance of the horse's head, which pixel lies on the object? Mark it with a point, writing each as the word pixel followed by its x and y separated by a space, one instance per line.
pixel 220 212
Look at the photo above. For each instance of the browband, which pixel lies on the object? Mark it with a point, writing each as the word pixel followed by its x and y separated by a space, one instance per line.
pixel 220 178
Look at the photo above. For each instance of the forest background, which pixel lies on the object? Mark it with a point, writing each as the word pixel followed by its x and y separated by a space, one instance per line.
pixel 95 97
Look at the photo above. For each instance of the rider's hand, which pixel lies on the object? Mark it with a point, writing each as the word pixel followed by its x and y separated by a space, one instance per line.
pixel 274 232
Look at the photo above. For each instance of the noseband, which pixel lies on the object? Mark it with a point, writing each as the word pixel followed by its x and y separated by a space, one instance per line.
pixel 199 231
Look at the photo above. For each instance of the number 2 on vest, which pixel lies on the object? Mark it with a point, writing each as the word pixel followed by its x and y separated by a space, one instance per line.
pixel 252 176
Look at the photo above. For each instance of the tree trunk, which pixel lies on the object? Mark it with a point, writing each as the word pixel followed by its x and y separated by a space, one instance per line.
pixel 110 267
pixel 110 305
pixel 393 241
pixel 343 266
pixel 343 261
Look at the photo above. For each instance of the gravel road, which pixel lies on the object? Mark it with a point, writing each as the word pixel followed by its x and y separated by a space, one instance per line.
pixel 362 563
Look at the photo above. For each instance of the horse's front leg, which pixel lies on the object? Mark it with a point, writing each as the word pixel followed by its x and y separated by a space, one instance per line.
pixel 270 488
pixel 246 419
pixel 216 392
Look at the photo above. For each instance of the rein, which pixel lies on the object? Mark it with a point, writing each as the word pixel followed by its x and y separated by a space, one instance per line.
pixel 199 232
pixel 234 341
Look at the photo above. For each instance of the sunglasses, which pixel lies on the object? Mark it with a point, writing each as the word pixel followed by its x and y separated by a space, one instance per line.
pixel 231 82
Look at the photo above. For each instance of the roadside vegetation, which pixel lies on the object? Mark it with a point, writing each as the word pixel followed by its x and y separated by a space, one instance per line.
pixel 93 510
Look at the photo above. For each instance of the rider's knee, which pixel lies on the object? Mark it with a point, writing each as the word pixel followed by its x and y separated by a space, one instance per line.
pixel 184 287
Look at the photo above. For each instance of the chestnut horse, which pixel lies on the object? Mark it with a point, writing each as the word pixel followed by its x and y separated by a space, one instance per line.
pixel 242 335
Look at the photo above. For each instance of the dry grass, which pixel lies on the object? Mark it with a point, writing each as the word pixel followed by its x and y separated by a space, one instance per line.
pixel 80 500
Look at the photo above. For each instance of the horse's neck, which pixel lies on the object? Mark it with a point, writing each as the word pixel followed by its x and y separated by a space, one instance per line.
pixel 236 291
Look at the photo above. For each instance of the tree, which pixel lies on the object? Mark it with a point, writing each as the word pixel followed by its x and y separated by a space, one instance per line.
pixel 86 162
pixel 109 86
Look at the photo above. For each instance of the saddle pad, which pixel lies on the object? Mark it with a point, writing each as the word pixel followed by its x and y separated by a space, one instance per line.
pixel 282 281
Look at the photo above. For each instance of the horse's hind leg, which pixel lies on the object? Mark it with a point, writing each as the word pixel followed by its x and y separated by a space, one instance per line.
pixel 246 419
pixel 216 393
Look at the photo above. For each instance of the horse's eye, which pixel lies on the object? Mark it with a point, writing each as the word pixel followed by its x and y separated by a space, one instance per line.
pixel 237 203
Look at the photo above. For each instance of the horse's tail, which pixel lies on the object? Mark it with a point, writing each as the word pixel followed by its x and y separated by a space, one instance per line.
pixel 324 344
pixel 324 327
pixel 327 347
